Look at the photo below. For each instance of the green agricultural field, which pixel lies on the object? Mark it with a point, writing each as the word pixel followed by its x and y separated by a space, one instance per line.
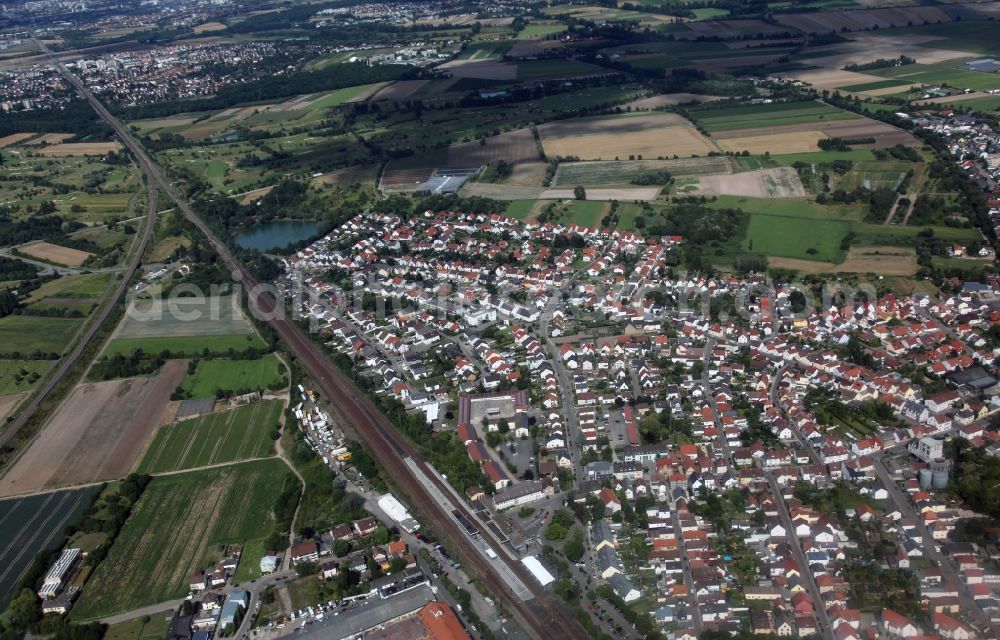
pixel 627 214
pixel 184 316
pixel 519 208
pixel 249 566
pixel 792 237
pixel 812 157
pixel 985 103
pixel 872 175
pixel 590 97
pixel 953 73
pixel 878 235
pixel 880 84
pixel 338 97
pixel 766 115
pixel 184 345
pixel 790 207
pixel 232 376
pixel 136 629
pixel 26 334
pixel 587 213
pixel 486 50
pixel 615 172
pixel 977 37
pixel 709 13
pixel 174 529
pixel 556 68
pixel 537 30
pixel 226 436
pixel 18 376
pixel 78 286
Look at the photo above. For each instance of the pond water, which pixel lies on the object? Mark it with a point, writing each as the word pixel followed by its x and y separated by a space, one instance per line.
pixel 276 235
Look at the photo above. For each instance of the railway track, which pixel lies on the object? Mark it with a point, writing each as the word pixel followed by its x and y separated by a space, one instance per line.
pixel 542 617
pixel 92 328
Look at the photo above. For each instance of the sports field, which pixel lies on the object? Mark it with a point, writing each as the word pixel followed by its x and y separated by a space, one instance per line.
pixel 233 376
pixel 226 436
pixel 29 525
pixel 174 530
pixel 26 334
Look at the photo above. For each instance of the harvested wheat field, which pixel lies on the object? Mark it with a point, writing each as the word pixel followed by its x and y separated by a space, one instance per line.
pixel 795 142
pixel 97 433
pixel 832 78
pixel 651 136
pixel 780 182
pixel 13 138
pixel 884 261
pixel 501 191
pixel 483 69
pixel 527 174
pixel 50 138
pixel 347 175
pixel 513 146
pixel 885 135
pixel 962 97
pixel 175 121
pixel 669 100
pixel 55 253
pixel 399 90
pixel 79 149
pixel 207 27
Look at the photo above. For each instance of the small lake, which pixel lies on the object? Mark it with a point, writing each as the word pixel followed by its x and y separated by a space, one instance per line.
pixel 276 235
